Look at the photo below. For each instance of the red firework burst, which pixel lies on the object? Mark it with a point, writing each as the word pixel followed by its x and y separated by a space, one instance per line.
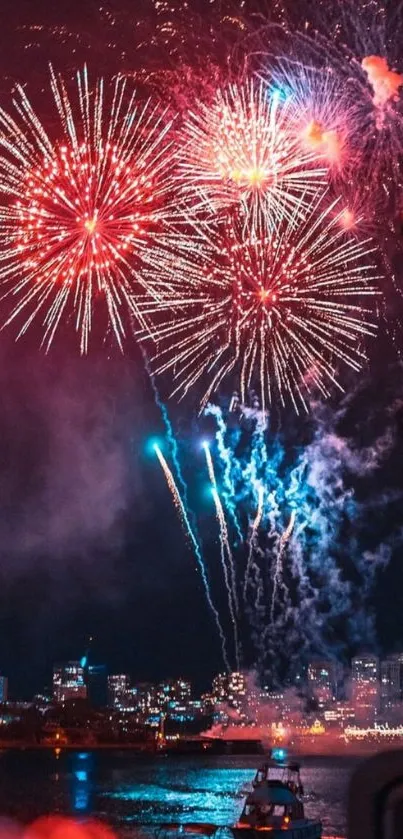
pixel 82 218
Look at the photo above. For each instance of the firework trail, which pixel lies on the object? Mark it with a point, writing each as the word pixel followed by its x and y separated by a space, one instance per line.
pixel 228 462
pixel 224 545
pixel 84 215
pixel 188 529
pixel 252 540
pixel 170 436
pixel 297 501
pixel 225 548
pixel 278 315
pixel 285 536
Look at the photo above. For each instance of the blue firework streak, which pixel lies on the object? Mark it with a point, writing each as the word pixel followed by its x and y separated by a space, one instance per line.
pixel 294 504
pixel 296 578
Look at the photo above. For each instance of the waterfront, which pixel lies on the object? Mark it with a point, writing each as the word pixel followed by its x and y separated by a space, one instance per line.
pixel 126 789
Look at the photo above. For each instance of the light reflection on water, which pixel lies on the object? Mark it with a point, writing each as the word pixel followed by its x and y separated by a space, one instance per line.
pixel 126 789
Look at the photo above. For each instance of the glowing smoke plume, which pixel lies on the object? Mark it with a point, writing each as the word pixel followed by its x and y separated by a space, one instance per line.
pixel 385 83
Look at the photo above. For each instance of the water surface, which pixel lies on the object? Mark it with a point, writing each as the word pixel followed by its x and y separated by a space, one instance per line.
pixel 126 789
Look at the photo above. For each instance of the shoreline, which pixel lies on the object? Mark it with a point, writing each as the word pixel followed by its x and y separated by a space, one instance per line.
pixel 358 751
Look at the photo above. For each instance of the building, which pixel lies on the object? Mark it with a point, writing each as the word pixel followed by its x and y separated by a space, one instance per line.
pixel 237 690
pixel 230 688
pixel 97 685
pixel 174 690
pixel 220 688
pixel 340 714
pixel 391 683
pixel 365 688
pixel 149 698
pixel 322 681
pixel 118 688
pixel 3 689
pixel 69 682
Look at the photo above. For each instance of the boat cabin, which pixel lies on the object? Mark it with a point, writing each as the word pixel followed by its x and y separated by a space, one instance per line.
pixel 271 804
pixel 286 773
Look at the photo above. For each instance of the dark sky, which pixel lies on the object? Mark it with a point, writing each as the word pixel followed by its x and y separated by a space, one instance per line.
pixel 90 543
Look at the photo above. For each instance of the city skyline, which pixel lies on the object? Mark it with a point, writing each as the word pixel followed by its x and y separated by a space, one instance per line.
pixel 326 680
pixel 89 706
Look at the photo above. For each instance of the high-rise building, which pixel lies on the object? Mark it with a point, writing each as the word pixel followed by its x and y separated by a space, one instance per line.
pixel 3 689
pixel 391 682
pixel 230 688
pixel 68 682
pixel 322 681
pixel 220 687
pixel 149 697
pixel 236 689
pixel 118 687
pixel 175 690
pixel 97 685
pixel 365 688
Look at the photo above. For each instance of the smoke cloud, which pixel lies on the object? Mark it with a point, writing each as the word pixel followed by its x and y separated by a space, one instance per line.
pixel 385 83
pixel 68 475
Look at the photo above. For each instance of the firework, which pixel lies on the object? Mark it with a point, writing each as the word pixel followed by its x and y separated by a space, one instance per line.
pixel 225 548
pixel 319 115
pixel 239 152
pixel 181 510
pixel 278 314
pixel 252 539
pixel 82 212
pixel 282 542
pixel 355 48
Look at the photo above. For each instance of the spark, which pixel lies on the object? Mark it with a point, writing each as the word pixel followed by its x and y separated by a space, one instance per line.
pixel 82 209
pixel 316 137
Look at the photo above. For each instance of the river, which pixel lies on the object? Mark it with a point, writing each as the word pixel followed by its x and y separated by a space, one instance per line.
pixel 126 789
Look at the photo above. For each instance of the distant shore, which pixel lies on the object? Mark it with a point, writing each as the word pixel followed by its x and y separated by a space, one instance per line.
pixel 300 750
pixel 75 747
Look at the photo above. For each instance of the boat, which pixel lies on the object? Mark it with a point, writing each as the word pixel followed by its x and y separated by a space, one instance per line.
pixel 275 804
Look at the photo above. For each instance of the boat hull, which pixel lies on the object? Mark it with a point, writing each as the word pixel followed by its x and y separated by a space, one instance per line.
pixel 304 830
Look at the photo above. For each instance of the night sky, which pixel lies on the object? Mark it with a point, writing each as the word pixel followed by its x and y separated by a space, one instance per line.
pixel 90 543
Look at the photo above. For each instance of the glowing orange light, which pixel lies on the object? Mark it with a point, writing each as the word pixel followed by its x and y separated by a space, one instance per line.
pixel 90 225
pixel 313 134
pixel 265 296
pixel 256 177
pixel 328 143
pixel 347 219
